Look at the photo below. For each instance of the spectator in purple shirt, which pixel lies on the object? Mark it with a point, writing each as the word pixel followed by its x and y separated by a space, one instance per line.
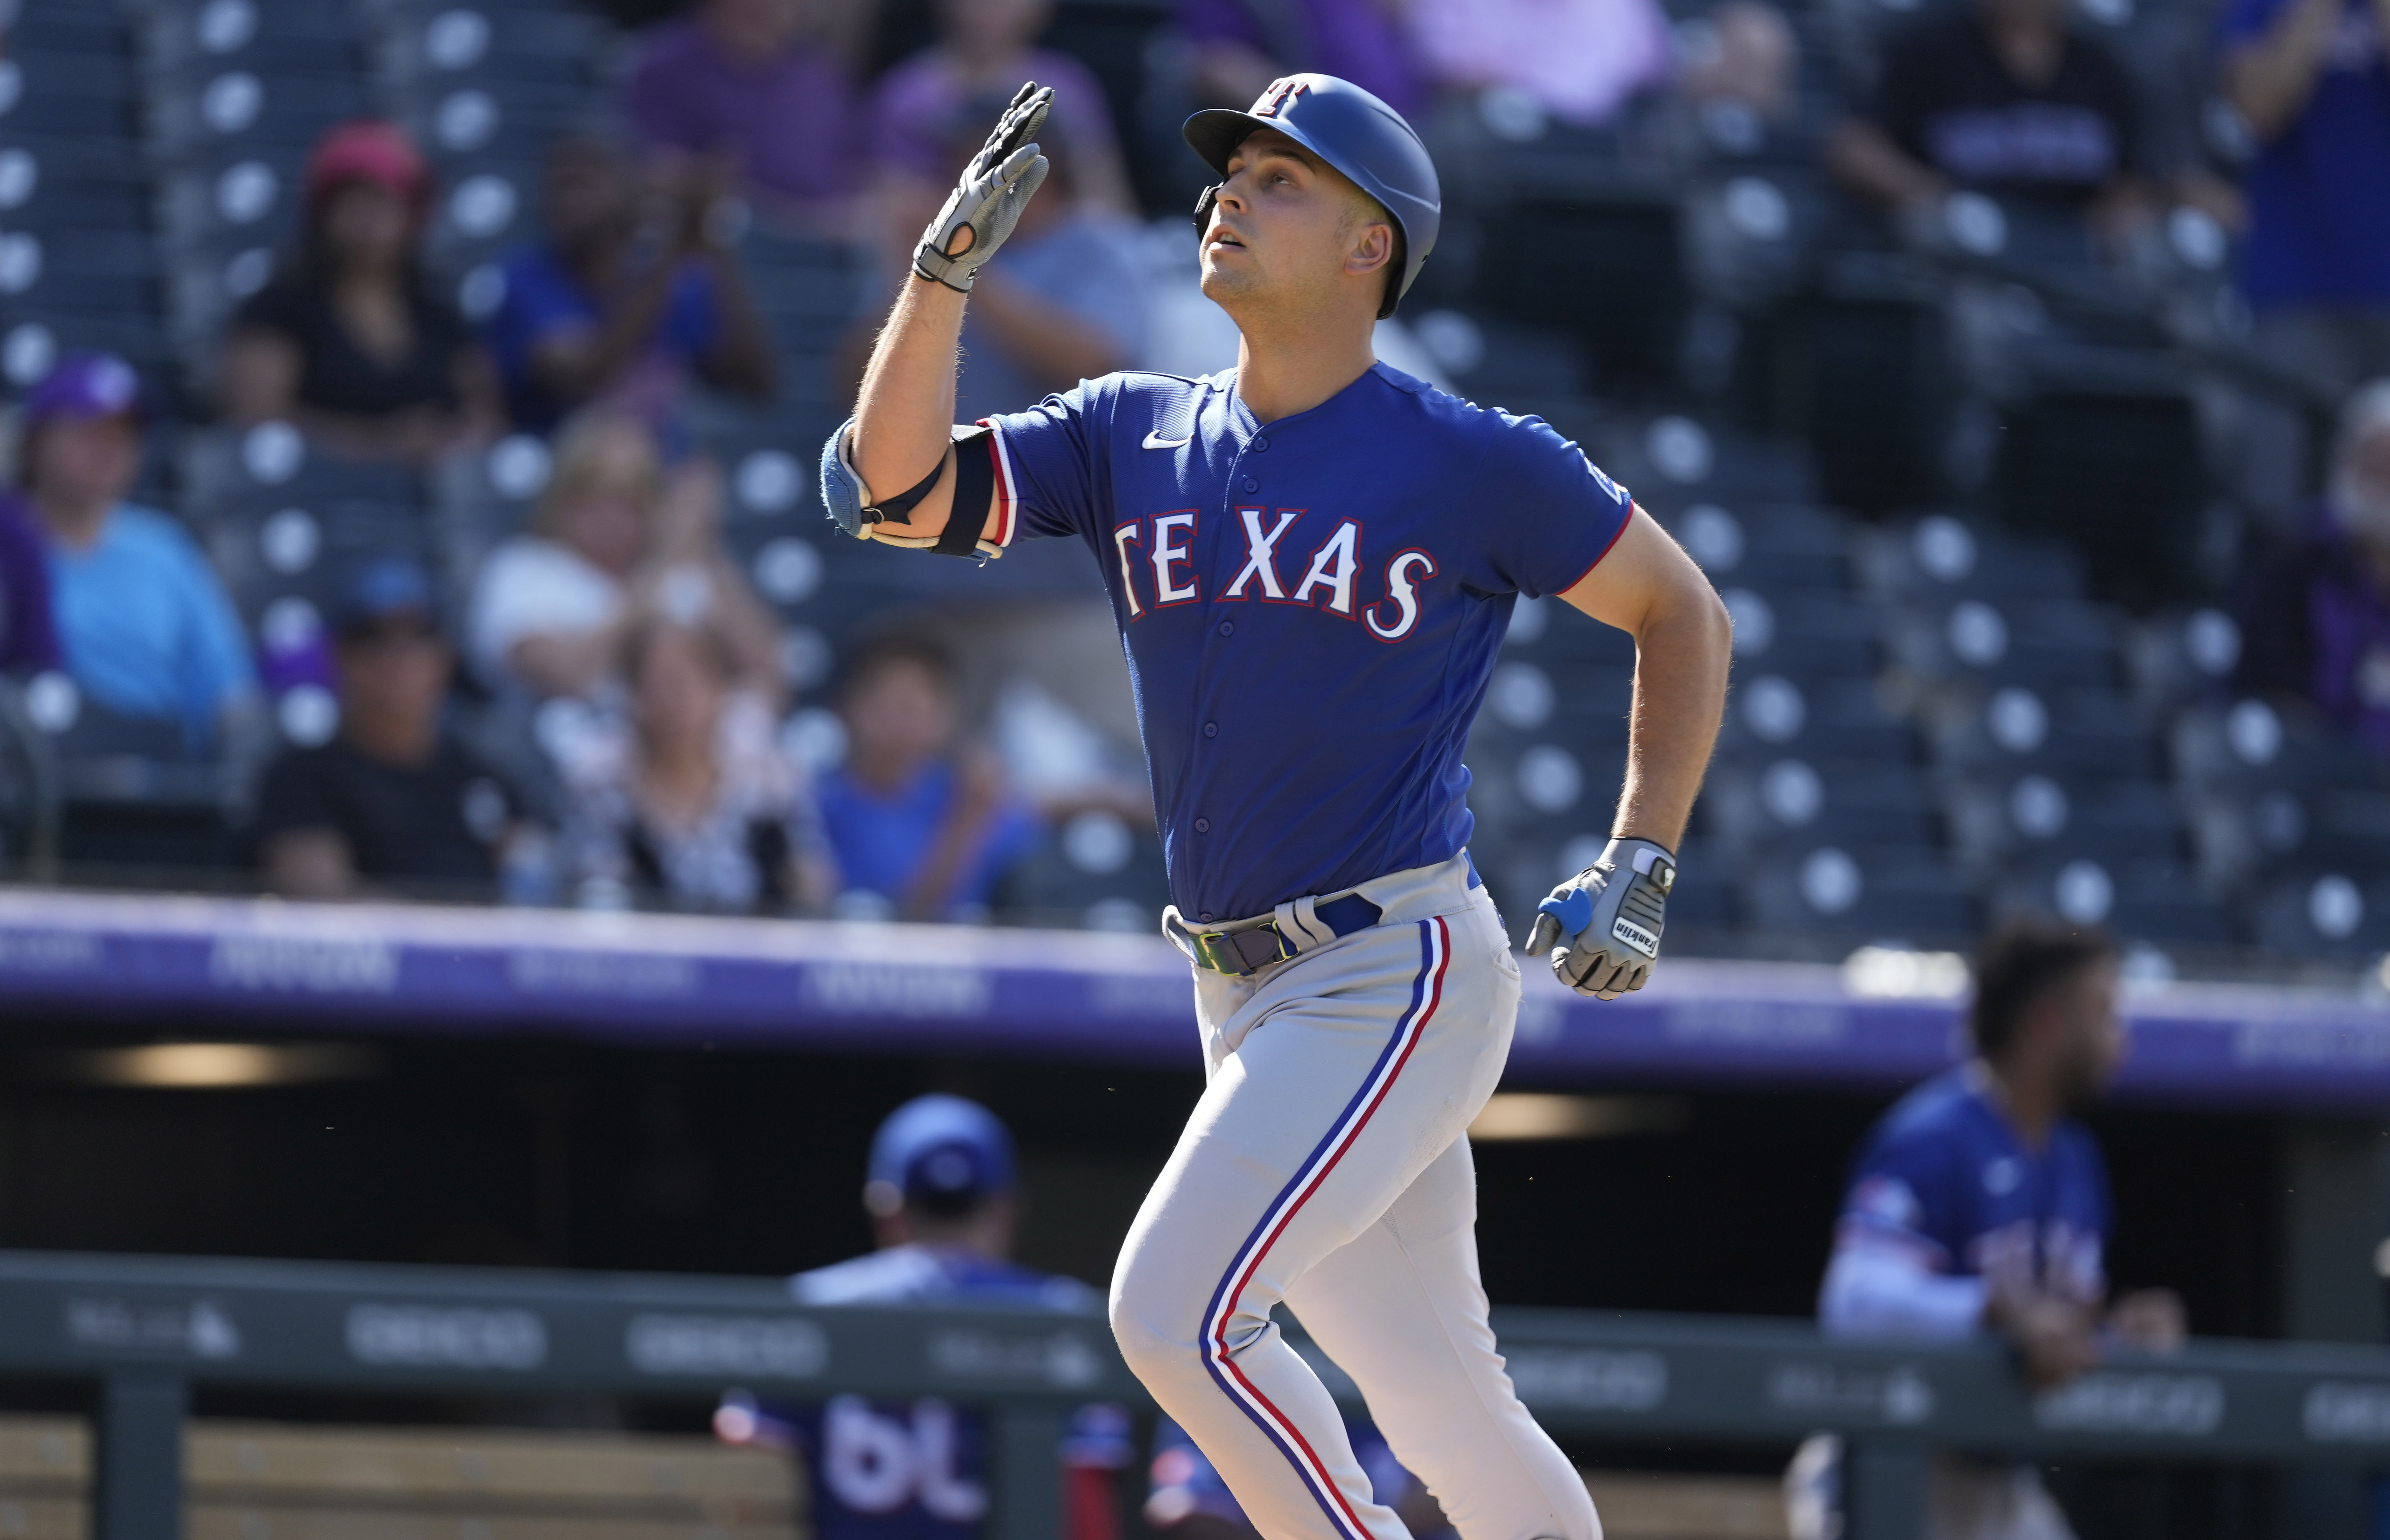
pixel 982 51
pixel 29 638
pixel 760 82
pixel 2317 621
pixel 1242 45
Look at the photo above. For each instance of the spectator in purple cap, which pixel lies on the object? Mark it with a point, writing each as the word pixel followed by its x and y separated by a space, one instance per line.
pixel 2317 621
pixel 763 81
pixel 1242 45
pixel 142 619
pixel 983 54
pixel 29 638
pixel 396 801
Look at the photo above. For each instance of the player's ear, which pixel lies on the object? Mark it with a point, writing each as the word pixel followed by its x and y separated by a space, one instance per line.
pixel 1372 246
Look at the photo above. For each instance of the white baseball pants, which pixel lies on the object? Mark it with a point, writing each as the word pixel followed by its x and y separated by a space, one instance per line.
pixel 1327 1166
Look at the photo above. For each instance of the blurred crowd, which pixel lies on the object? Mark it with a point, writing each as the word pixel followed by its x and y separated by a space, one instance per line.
pixel 846 120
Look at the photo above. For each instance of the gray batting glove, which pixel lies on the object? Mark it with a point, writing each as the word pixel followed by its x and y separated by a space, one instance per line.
pixel 996 186
pixel 1602 926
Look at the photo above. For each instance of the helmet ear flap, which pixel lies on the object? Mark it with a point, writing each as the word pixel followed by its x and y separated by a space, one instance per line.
pixel 1203 207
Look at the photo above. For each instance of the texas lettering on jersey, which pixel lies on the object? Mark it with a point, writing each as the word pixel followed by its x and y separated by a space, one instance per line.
pixel 1158 569
pixel 1310 607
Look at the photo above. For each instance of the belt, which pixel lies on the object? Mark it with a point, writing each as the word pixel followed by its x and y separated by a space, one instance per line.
pixel 1239 953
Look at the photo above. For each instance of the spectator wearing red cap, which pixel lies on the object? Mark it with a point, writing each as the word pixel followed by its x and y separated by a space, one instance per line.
pixel 348 342
pixel 145 624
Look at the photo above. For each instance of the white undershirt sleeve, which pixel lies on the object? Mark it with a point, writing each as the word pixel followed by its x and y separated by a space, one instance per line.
pixel 1875 1289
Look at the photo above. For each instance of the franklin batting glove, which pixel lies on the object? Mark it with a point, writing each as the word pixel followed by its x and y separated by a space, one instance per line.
pixel 1602 926
pixel 996 186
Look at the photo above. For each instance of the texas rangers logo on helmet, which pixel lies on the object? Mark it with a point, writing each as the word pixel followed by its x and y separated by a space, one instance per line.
pixel 1282 92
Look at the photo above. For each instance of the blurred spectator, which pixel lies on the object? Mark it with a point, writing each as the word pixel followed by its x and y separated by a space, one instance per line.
pixel 1743 53
pixel 143 622
pixel 762 83
pixel 612 529
pixel 1978 1204
pixel 944 1200
pixel 981 57
pixel 28 637
pixel 1583 59
pixel 1242 45
pixel 1187 1499
pixel 395 800
pixel 348 342
pixel 925 824
pixel 632 290
pixel 2001 98
pixel 2312 79
pixel 686 802
pixel 2317 620
pixel 1066 299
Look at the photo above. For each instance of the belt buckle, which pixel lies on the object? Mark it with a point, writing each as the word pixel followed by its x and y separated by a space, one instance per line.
pixel 1242 953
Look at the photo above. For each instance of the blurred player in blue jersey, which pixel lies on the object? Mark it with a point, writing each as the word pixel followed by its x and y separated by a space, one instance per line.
pixel 1979 1204
pixel 941 1196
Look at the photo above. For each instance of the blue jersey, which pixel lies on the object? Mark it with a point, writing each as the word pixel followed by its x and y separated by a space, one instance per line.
pixel 1943 1180
pixel 1310 608
pixel 884 1470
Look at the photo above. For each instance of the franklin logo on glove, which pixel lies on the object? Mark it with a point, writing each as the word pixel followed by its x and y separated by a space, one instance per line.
pixel 1602 926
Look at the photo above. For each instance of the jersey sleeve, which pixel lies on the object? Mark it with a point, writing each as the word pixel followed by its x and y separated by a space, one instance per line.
pixel 1052 475
pixel 1894 1272
pixel 1904 1199
pixel 1550 513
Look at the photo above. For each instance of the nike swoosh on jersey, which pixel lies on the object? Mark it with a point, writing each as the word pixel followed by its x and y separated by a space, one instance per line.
pixel 1155 441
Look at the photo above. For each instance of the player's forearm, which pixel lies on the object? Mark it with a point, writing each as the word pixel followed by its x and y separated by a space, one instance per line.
pixel 1682 655
pixel 907 407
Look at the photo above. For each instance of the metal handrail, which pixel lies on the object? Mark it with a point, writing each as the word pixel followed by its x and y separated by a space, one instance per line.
pixel 145 1330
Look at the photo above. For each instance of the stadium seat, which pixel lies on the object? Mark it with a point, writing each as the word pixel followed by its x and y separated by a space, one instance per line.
pixel 1838 898
pixel 1095 872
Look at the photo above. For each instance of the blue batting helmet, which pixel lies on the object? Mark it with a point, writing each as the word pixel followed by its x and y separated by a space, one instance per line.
pixel 1351 130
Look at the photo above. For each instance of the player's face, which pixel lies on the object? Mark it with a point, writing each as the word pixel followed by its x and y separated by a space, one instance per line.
pixel 1285 229
pixel 2094 1033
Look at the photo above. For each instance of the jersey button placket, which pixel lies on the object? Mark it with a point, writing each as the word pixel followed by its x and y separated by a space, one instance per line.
pixel 1202 826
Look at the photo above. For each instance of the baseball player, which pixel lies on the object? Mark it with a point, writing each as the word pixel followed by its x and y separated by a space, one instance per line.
pixel 1312 560
pixel 1979 1204
pixel 941 1195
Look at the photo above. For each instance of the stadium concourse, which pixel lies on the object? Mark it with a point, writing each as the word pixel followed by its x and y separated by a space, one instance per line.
pixel 476 355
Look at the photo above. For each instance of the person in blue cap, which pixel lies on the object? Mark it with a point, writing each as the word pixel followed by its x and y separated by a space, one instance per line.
pixel 145 624
pixel 393 800
pixel 943 1192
